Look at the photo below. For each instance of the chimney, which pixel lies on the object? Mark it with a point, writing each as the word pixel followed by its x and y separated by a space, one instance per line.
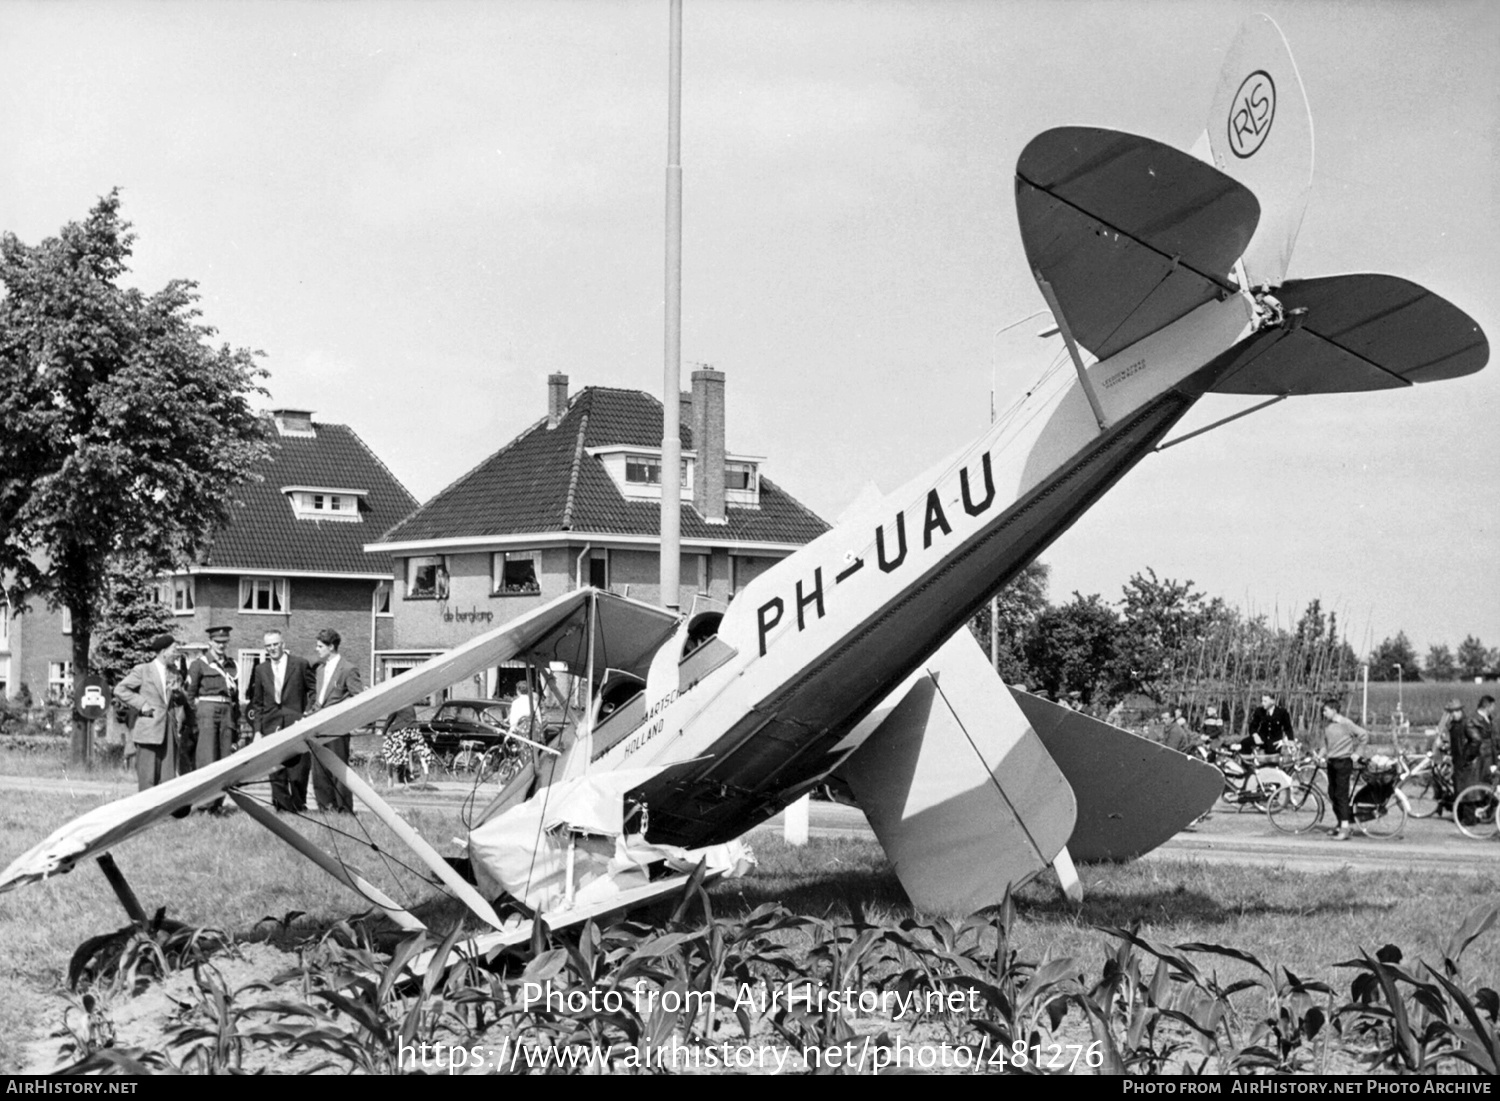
pixel 708 441
pixel 557 398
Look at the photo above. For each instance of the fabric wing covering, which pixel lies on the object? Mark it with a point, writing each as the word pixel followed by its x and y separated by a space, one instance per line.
pixel 1357 332
pixel 627 634
pixel 1130 233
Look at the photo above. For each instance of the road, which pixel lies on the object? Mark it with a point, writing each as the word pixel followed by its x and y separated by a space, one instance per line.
pixel 1245 838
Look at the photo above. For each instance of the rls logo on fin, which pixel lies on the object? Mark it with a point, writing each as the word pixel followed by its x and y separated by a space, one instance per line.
pixel 1254 106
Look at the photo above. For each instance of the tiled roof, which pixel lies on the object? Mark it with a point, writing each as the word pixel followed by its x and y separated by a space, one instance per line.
pixel 544 480
pixel 265 535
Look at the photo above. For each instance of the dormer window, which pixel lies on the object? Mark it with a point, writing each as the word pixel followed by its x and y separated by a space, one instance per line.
pixel 320 503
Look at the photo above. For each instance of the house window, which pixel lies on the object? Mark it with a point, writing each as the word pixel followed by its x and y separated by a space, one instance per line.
pixel 739 476
pixel 703 574
pixel 4 624
pixel 317 504
pixel 182 595
pixel 4 674
pixel 427 578
pixel 245 665
pixel 599 569
pixel 643 470
pixel 516 573
pixel 67 621
pixel 383 598
pixel 263 595
pixel 59 683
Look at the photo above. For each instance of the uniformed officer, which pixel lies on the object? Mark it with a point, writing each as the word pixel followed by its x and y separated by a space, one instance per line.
pixel 212 689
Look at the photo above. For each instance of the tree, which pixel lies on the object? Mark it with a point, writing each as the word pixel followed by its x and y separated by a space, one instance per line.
pixel 1023 599
pixel 130 616
pixel 1072 648
pixel 123 432
pixel 1390 653
pixel 1162 621
pixel 1473 658
pixel 1439 664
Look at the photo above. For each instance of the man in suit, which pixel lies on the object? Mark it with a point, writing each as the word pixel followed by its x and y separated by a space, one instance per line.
pixel 1270 726
pixel 336 680
pixel 280 692
pixel 153 690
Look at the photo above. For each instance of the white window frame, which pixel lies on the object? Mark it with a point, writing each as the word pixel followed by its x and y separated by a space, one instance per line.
pixel 325 504
pixel 4 625
pixel 599 556
pixel 66 613
pixel 245 661
pixel 59 683
pixel 498 562
pixel 184 595
pixel 278 589
pixel 442 577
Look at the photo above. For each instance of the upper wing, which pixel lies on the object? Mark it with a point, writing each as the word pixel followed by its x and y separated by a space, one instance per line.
pixel 628 630
pixel 1130 233
pixel 1356 332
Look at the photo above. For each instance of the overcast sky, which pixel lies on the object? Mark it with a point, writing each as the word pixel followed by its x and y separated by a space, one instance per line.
pixel 418 211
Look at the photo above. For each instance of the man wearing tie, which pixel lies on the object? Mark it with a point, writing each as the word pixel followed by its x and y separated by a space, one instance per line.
pixel 337 680
pixel 154 690
pixel 280 692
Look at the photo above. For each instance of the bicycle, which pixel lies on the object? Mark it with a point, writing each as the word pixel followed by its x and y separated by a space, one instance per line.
pixel 1379 807
pixel 1249 780
pixel 1478 803
pixel 1426 779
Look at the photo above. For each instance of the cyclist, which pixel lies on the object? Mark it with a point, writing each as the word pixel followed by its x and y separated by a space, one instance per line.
pixel 1343 743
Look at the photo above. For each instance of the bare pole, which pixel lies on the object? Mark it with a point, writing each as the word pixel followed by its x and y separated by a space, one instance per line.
pixel 671 404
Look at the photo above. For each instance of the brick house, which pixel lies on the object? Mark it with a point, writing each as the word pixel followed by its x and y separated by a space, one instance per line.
pixel 575 500
pixel 293 557
pixel 36 654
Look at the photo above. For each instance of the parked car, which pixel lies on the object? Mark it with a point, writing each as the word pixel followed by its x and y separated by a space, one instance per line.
pixel 457 721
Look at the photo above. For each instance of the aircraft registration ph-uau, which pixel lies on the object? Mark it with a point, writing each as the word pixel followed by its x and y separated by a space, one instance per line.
pixel 848 662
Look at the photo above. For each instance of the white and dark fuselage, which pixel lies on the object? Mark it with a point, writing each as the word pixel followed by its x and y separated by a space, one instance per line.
pixel 815 643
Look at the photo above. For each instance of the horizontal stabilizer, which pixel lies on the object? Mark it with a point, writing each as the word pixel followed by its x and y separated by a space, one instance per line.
pixel 1131 234
pixel 960 792
pixel 1356 332
pixel 1132 793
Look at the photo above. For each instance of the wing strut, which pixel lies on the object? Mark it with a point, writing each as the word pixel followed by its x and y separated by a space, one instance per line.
pixel 336 868
pixel 1067 335
pixel 402 829
pixel 1220 421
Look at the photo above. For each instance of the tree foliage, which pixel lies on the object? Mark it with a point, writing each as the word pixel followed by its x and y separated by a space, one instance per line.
pixel 1018 605
pixel 124 433
pixel 1473 659
pixel 130 615
pixel 1439 663
pixel 1393 652
pixel 1072 647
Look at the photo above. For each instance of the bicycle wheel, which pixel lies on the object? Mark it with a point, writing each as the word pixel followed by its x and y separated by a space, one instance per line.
pixel 501 766
pixel 1474 811
pixel 1296 809
pixel 466 762
pixel 1423 793
pixel 1381 815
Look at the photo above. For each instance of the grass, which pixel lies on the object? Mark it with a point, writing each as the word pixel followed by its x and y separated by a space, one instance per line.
pixel 231 874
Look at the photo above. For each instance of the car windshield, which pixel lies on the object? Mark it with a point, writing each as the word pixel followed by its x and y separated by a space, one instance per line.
pixel 489 714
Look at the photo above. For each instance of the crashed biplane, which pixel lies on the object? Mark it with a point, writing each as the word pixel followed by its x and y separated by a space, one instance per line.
pixel 847 662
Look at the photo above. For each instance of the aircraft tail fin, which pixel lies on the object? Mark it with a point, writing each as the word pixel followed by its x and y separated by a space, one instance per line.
pixel 958 789
pixel 1260 133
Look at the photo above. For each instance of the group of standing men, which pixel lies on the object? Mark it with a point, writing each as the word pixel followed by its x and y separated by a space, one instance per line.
pixel 283 689
pixel 1472 744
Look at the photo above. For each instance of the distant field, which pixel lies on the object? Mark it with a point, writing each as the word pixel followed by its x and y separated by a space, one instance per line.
pixel 1423 701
